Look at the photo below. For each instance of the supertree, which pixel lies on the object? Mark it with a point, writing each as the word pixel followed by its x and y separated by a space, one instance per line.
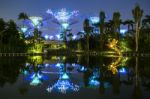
pixel 27 27
pixel 63 18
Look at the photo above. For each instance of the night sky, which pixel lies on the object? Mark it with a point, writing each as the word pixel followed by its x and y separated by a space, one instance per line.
pixel 9 9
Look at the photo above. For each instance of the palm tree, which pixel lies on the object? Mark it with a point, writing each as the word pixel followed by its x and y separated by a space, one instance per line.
pixel 23 16
pixel 116 24
pixel 137 15
pixel 87 30
pixel 101 27
pixel 137 93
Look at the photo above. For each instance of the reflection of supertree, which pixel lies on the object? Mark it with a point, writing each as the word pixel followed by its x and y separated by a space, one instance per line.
pixel 33 74
pixel 93 80
pixel 64 19
pixel 64 83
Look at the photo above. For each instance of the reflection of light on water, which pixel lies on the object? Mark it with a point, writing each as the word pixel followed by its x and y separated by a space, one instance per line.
pixel 93 80
pixel 122 70
pixel 94 83
pixel 46 65
pixel 59 65
pixel 63 86
pixel 64 76
pixel 36 81
pixel 25 72
pixel 82 69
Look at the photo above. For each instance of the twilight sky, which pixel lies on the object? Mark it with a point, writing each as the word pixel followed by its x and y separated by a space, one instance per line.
pixel 9 9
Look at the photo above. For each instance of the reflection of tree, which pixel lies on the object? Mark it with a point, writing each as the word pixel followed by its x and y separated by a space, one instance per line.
pixel 137 93
pixel 9 69
pixel 113 66
pixel 23 90
pixel 116 84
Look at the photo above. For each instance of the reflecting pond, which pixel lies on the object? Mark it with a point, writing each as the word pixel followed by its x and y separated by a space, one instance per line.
pixel 74 77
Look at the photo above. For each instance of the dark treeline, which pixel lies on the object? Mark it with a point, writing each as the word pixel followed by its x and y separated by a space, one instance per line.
pixel 10 38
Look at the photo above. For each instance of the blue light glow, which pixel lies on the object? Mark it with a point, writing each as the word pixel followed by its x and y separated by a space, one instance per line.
pixel 65 25
pixel 51 37
pixel 74 37
pixel 59 65
pixel 35 21
pixel 24 29
pixel 122 70
pixel 82 69
pixel 123 31
pixel 46 65
pixel 36 78
pixel 94 83
pixel 64 76
pixel 46 37
pixel 58 37
pixel 25 72
pixel 93 80
pixel 94 20
pixel 36 81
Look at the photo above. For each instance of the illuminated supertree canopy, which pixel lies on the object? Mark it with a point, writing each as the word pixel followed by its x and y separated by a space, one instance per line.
pixel 36 21
pixel 28 25
pixel 63 16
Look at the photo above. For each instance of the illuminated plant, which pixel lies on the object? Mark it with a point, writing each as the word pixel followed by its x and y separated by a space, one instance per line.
pixel 113 46
pixel 63 16
pixel 120 60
